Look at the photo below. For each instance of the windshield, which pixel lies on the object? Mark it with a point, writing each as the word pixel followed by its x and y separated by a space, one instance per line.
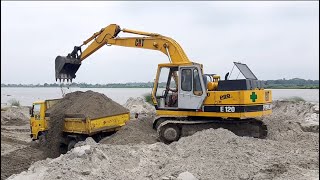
pixel 35 110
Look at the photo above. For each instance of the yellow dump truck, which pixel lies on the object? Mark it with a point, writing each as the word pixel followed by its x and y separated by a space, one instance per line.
pixel 77 127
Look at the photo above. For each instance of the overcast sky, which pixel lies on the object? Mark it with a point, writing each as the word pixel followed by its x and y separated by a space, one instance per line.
pixel 276 39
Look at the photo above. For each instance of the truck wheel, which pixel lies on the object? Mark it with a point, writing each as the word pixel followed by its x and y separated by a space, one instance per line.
pixel 71 144
pixel 169 133
pixel 41 142
pixel 63 149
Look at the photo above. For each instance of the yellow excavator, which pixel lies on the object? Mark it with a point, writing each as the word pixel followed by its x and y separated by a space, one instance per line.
pixel 192 100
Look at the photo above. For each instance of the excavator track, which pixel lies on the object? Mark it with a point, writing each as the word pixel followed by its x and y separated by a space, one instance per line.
pixel 170 129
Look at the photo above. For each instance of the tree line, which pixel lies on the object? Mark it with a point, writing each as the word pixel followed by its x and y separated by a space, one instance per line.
pixel 295 83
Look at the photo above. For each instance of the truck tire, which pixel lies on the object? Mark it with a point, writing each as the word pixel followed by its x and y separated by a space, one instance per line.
pixel 71 144
pixel 40 143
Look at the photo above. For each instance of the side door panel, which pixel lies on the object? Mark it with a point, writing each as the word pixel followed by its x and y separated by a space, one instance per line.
pixel 34 119
pixel 191 96
pixel 37 118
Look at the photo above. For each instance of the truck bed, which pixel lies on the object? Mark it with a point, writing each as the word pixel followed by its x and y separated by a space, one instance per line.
pixel 77 123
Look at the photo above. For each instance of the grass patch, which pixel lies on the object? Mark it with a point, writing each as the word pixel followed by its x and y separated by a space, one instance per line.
pixel 147 98
pixel 294 99
pixel 14 102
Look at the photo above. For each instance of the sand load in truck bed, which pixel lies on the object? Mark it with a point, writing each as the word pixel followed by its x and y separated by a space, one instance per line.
pixel 90 104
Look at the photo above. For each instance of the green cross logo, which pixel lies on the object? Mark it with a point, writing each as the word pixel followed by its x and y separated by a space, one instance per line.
pixel 253 97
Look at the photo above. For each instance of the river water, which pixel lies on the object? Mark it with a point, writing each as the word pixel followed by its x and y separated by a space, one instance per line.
pixel 28 95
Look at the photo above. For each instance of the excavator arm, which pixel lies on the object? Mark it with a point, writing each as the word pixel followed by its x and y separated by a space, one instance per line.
pixel 66 67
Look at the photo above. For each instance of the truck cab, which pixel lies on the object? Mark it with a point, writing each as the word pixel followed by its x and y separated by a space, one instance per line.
pixel 38 121
pixel 77 127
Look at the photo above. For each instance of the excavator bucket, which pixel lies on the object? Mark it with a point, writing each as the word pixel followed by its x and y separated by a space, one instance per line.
pixel 66 68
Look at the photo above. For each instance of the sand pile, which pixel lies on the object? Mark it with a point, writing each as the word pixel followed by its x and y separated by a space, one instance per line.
pixel 15 116
pixel 289 152
pixel 134 132
pixel 19 160
pixel 212 153
pixel 137 130
pixel 139 106
pixel 291 121
pixel 90 104
pixel 16 153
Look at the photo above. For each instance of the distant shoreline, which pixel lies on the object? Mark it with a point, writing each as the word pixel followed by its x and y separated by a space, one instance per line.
pixel 143 87
pixel 295 83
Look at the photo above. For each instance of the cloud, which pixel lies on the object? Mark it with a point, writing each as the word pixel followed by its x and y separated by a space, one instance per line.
pixel 276 39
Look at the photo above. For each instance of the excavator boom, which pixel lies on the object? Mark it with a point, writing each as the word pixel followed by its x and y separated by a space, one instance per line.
pixel 67 66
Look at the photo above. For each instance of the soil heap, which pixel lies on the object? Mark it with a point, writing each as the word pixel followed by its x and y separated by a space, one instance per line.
pixel 209 154
pixel 137 130
pixel 90 104
pixel 15 116
pixel 134 132
pixel 139 106
pixel 290 151
pixel 292 121
pixel 16 153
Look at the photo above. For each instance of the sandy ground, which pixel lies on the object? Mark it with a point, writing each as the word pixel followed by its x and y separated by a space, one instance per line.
pixel 17 154
pixel 291 151
pixel 14 137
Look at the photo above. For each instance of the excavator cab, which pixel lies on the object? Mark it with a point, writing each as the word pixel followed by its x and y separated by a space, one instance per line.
pixel 179 87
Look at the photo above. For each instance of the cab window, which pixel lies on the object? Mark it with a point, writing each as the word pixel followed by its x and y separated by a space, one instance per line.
pixel 163 77
pixel 36 110
pixel 197 90
pixel 186 80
